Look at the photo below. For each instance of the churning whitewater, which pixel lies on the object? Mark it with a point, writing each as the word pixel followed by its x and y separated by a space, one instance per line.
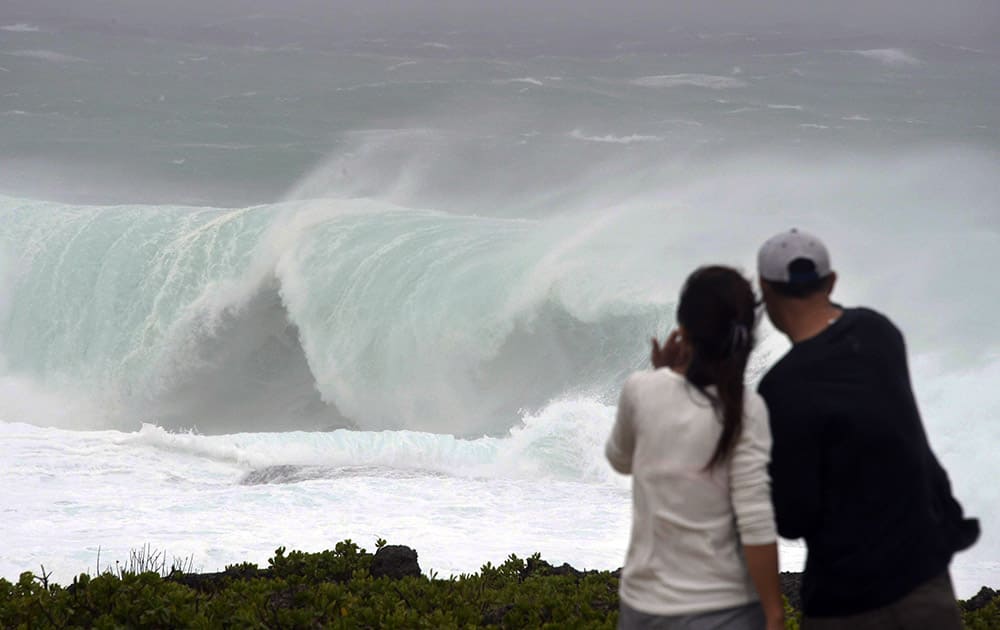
pixel 262 296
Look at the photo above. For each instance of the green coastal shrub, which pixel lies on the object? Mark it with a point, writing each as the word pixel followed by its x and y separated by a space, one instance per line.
pixel 334 589
pixel 985 618
pixel 336 565
pixel 330 589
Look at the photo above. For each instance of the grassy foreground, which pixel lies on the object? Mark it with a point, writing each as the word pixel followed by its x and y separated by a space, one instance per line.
pixel 336 589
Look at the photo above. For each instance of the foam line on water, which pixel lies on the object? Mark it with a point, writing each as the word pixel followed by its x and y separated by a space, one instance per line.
pixel 563 441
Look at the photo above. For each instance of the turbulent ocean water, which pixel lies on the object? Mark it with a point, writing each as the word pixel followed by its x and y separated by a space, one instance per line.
pixel 283 294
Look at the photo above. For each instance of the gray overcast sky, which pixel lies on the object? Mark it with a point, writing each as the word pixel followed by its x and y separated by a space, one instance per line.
pixel 585 22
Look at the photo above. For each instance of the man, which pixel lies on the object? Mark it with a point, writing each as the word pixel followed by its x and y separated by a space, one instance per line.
pixel 852 471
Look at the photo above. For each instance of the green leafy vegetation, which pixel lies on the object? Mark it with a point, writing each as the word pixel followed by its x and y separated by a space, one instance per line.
pixel 982 612
pixel 330 589
pixel 334 589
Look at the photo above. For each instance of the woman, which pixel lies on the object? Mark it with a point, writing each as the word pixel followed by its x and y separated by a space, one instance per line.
pixel 703 550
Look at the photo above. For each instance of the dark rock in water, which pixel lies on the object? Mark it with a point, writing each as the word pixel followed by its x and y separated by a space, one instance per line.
pixel 791 585
pixel 980 599
pixel 287 473
pixel 395 561
pixel 273 474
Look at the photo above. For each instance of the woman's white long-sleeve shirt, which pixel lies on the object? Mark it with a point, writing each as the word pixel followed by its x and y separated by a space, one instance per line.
pixel 685 555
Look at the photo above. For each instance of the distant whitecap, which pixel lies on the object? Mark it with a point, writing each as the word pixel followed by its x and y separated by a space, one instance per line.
pixel 20 27
pixel 709 81
pixel 45 55
pixel 576 134
pixel 888 56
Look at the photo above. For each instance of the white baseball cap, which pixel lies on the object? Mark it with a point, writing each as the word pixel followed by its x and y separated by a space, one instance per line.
pixel 776 255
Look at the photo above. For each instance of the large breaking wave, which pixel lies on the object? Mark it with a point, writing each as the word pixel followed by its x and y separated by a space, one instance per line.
pixel 312 315
pixel 376 314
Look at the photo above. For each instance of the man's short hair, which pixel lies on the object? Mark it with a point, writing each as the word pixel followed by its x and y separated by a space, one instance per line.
pixel 809 285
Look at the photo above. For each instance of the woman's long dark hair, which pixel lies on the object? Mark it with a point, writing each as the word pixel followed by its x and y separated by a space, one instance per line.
pixel 717 311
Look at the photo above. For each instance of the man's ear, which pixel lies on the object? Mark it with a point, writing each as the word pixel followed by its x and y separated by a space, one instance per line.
pixel 765 287
pixel 829 283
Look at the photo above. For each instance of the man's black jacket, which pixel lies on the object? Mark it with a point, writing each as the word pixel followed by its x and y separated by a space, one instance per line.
pixel 852 471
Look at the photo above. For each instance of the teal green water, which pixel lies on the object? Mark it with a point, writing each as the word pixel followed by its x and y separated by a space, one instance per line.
pixel 398 318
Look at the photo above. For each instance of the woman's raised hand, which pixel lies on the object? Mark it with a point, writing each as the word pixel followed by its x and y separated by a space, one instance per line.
pixel 674 354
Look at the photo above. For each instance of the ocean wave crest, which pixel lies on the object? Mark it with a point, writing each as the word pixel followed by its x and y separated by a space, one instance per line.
pixel 317 315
